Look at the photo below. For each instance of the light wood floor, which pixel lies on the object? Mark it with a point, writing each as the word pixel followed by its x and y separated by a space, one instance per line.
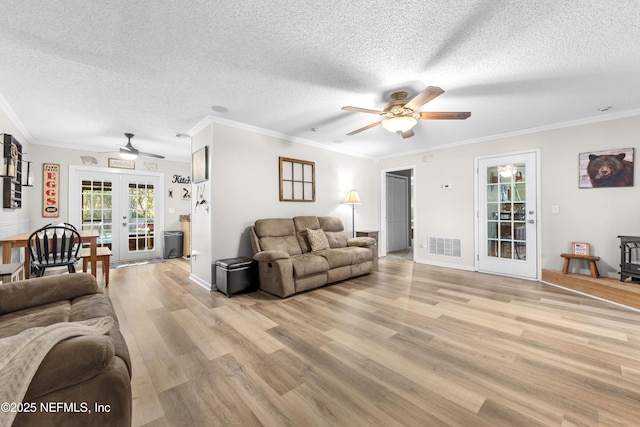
pixel 409 345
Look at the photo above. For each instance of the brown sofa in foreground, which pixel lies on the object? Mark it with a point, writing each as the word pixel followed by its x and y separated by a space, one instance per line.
pixel 82 370
pixel 293 255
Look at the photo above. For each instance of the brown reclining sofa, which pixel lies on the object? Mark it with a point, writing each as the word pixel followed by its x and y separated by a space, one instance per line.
pixel 293 257
pixel 82 380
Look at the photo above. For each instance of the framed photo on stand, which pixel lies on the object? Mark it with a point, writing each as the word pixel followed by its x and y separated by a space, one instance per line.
pixel 579 248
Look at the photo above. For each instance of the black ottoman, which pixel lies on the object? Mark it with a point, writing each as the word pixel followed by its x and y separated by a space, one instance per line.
pixel 236 275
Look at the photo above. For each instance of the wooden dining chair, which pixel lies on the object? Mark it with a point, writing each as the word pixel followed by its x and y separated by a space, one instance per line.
pixel 54 246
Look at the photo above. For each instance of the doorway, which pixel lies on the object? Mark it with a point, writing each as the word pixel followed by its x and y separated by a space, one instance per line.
pixel 397 226
pixel 507 206
pixel 125 208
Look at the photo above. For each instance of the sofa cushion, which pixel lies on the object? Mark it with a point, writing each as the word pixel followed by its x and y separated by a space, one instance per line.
pixel 334 230
pixel 359 255
pixel 338 257
pixel 16 296
pixel 308 264
pixel 302 223
pixel 317 240
pixel 277 234
pixel 43 315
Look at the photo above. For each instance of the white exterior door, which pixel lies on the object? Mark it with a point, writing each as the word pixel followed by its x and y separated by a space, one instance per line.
pixel 508 215
pixel 126 210
pixel 137 218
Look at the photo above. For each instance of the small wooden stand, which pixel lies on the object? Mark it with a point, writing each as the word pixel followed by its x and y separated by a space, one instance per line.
pixel 592 263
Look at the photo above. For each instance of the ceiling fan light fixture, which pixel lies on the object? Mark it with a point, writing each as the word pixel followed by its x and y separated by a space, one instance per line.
pixel 128 155
pixel 399 124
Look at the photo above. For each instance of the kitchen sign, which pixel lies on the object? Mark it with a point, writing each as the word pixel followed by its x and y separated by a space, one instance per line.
pixel 50 190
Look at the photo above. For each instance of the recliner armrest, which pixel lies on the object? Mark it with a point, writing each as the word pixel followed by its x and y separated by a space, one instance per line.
pixel 268 256
pixel 361 241
pixel 71 362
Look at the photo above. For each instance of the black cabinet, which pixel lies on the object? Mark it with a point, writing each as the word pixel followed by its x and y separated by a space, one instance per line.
pixel 11 172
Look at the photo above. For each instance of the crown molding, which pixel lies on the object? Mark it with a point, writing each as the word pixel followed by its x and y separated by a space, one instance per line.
pixel 528 131
pixel 255 129
pixel 13 117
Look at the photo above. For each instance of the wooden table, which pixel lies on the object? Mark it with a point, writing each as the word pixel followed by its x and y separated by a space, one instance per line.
pixel 11 272
pixel 20 241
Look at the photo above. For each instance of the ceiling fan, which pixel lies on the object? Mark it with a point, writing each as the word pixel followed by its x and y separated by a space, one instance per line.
pixel 130 153
pixel 400 115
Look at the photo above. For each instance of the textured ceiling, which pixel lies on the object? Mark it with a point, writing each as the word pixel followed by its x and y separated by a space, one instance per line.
pixel 81 74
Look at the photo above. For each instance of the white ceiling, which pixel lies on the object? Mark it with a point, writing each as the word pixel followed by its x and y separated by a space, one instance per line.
pixel 81 74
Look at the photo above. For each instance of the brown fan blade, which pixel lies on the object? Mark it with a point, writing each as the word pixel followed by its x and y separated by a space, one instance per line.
pixel 457 115
pixel 423 97
pixel 407 134
pixel 362 110
pixel 372 125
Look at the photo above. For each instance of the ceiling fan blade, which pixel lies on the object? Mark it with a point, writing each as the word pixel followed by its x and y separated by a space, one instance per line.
pixel 155 156
pixel 372 125
pixel 362 110
pixel 407 134
pixel 457 115
pixel 129 150
pixel 423 97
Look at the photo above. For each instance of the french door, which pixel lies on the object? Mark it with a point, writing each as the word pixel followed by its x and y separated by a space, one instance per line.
pixel 508 215
pixel 139 236
pixel 125 209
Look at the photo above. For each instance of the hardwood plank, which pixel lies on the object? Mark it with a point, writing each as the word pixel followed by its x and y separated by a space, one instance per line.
pixel 409 344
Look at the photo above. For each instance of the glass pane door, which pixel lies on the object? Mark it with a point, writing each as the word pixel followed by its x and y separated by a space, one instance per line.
pixel 97 209
pixel 125 208
pixel 507 215
pixel 506 207
pixel 141 215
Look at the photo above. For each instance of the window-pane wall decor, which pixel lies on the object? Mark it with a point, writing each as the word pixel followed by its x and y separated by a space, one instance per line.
pixel 297 180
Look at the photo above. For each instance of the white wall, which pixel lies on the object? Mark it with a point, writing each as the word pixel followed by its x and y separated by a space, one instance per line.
pixel 174 207
pixel 244 187
pixel 596 216
pixel 201 239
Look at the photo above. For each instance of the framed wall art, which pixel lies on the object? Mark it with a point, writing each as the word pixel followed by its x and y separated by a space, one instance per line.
pixel 199 165
pixel 297 180
pixel 121 163
pixel 50 190
pixel 609 168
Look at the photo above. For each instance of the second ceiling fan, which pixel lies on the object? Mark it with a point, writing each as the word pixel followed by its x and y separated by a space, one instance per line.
pixel 130 152
pixel 400 115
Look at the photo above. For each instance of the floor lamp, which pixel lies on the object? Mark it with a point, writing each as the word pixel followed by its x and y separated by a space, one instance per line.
pixel 353 199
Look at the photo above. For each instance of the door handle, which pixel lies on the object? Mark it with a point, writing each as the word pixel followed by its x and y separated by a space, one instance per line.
pixel 531 221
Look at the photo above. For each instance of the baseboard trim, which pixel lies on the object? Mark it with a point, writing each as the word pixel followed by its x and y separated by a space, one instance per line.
pixel 444 264
pixel 203 284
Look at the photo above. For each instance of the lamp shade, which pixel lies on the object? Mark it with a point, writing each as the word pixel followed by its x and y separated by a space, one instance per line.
pixel 353 198
pixel 399 124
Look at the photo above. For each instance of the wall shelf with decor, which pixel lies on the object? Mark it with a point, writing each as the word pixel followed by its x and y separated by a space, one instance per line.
pixel 11 172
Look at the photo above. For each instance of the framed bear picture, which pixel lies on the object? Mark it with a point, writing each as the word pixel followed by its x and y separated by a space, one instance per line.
pixel 609 168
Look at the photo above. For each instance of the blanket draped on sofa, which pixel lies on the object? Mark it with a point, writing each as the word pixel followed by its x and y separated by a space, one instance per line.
pixel 23 353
